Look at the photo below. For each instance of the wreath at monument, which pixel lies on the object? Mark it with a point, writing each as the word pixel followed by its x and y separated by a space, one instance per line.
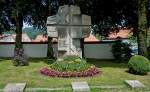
pixel 70 66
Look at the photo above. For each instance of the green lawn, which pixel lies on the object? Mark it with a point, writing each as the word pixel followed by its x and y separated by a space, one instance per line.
pixel 112 74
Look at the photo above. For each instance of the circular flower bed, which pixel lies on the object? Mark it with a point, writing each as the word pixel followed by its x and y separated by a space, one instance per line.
pixel 70 66
pixel 54 73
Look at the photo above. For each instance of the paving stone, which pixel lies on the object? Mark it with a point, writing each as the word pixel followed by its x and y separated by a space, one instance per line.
pixel 80 87
pixel 15 87
pixel 134 84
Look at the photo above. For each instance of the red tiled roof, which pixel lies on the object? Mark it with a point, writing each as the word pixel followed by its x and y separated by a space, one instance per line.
pixel 123 33
pixel 41 38
pixel 91 38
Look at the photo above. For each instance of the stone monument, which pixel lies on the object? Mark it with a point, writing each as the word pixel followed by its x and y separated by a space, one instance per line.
pixel 69 26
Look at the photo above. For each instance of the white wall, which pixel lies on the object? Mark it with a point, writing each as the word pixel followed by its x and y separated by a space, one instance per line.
pixel 35 50
pixel 32 50
pixel 6 50
pixel 96 51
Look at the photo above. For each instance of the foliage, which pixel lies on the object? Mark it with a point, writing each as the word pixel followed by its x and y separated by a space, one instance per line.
pixel 70 66
pixel 20 58
pixel 138 65
pixel 33 32
pixel 32 12
pixel 70 63
pixel 121 50
pixel 103 16
pixel 14 12
pixel 109 16
pixel 71 57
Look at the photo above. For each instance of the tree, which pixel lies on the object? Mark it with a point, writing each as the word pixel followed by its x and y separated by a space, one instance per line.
pixel 142 27
pixel 53 7
pixel 106 15
pixel 14 12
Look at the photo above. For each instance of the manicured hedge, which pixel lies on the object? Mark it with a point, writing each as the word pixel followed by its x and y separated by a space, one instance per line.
pixel 138 65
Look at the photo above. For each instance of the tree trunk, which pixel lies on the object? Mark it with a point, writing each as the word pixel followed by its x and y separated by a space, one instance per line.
pixel 82 47
pixel 50 52
pixel 19 25
pixel 142 28
pixel 148 37
pixel 148 42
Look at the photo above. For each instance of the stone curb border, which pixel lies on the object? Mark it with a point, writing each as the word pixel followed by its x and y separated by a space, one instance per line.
pixel 69 88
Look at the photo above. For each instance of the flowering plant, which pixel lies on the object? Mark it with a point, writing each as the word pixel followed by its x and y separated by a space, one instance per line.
pixel 92 71
pixel 70 66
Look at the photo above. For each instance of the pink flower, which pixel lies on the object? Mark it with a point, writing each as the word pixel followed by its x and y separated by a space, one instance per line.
pixel 54 73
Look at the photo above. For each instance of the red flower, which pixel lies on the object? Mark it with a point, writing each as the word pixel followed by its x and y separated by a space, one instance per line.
pixel 54 73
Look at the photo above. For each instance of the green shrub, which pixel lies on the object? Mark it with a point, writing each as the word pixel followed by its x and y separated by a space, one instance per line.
pixel 71 57
pixel 138 65
pixel 70 63
pixel 121 51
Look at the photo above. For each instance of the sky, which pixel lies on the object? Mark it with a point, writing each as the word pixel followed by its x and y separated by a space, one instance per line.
pixel 25 25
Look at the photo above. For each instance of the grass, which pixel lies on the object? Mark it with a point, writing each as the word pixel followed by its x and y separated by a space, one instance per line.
pixel 112 74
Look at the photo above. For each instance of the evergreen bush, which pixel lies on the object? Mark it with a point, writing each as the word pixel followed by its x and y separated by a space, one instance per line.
pixel 121 51
pixel 138 65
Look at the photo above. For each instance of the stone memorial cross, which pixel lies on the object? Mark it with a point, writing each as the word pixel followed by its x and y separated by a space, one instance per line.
pixel 69 26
